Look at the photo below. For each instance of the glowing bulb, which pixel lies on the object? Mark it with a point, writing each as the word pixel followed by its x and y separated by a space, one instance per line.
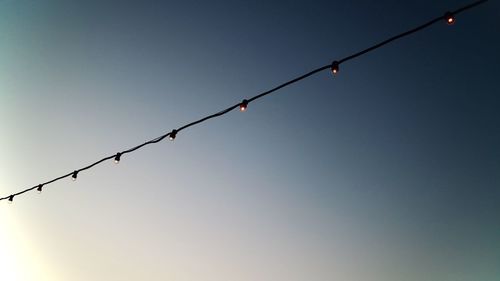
pixel 39 188
pixel 74 175
pixel 450 19
pixel 172 135
pixel 11 198
pixel 335 67
pixel 243 105
pixel 117 157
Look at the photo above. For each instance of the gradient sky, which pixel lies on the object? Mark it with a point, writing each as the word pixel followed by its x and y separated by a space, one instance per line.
pixel 389 171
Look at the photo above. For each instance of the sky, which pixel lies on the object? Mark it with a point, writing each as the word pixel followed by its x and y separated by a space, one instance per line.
pixel 388 171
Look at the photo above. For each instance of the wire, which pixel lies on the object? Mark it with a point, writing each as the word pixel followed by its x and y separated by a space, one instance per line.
pixel 334 67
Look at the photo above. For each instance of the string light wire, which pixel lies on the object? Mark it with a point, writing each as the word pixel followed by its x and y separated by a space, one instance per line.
pixel 449 17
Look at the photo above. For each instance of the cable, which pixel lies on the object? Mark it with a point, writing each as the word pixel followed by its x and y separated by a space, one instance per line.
pixel 448 17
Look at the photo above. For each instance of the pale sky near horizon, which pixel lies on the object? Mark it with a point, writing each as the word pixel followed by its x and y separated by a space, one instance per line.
pixel 389 171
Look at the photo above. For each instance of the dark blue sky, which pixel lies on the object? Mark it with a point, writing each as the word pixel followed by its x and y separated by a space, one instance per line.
pixel 388 171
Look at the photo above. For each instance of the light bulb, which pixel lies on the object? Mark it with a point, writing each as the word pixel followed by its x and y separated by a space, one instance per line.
pixel 450 19
pixel 172 135
pixel 243 105
pixel 39 188
pixel 335 67
pixel 74 175
pixel 117 157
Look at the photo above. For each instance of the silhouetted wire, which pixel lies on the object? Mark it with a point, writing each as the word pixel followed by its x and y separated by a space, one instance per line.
pixel 231 108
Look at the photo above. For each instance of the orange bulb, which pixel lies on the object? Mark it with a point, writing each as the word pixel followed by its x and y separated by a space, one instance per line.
pixel 335 67
pixel 172 135
pixel 243 105
pixel 450 19
pixel 117 157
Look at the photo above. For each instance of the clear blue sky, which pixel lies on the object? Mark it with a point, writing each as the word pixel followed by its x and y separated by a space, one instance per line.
pixel 389 171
